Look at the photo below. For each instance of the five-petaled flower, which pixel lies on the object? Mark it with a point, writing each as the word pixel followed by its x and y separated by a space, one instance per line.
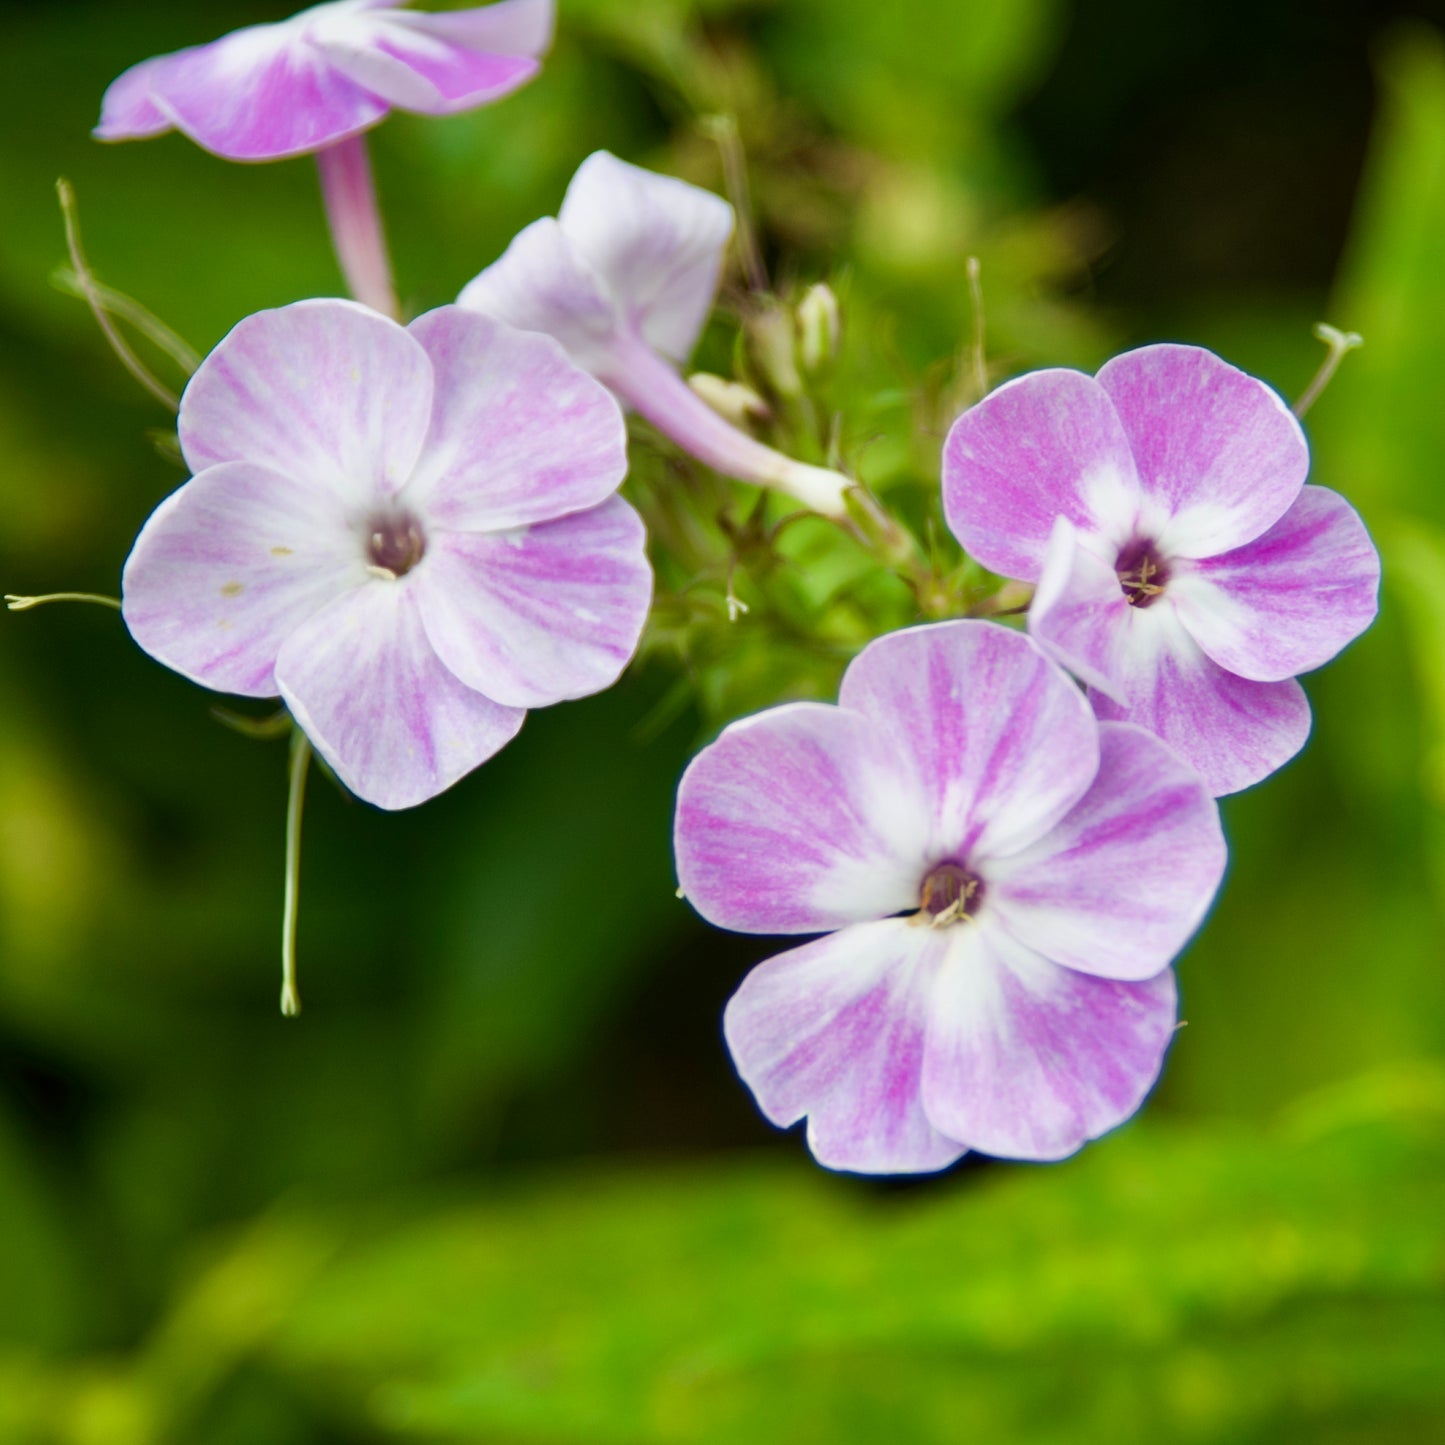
pixel 1185 572
pixel 1003 882
pixel 330 72
pixel 410 534
pixel 625 278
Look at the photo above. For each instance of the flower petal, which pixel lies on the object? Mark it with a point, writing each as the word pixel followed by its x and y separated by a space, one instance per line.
pixel 519 433
pixel 262 93
pixel 1025 1059
pixel 834 1030
pixel 1120 885
pixel 127 111
pixel 799 820
pixel 656 242
pixel 379 705
pixel 540 614
pixel 541 283
pixel 228 567
pixel 512 27
pixel 1232 731
pixel 1217 450
pixel 418 67
pixel 1000 741
pixel 1043 446
pixel 326 392
pixel 1290 600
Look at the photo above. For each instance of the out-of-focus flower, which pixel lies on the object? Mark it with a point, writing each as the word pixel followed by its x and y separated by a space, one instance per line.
pixel 624 278
pixel 820 327
pixel 1003 882
pixel 410 534
pixel 1185 572
pixel 330 72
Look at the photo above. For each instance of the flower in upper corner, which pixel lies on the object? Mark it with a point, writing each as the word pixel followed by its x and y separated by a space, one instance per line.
pixel 332 71
pixel 1184 571
pixel 410 534
pixel 1002 880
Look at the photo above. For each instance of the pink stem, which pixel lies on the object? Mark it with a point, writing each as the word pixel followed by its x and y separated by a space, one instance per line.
pixel 349 192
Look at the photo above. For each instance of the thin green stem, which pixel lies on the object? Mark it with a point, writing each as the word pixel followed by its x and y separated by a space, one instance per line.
pixel 1340 344
pixel 24 604
pixel 117 303
pixel 980 362
pixel 300 760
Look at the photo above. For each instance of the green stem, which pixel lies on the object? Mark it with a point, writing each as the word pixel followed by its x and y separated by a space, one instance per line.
pixel 24 604
pixel 300 760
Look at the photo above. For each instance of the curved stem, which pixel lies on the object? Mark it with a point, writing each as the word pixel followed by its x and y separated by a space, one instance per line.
pixel 24 604
pixel 296 798
pixel 648 384
pixel 1340 344
pixel 349 191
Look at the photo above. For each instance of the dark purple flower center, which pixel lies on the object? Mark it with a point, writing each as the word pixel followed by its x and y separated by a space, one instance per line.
pixel 1142 573
pixel 950 893
pixel 395 543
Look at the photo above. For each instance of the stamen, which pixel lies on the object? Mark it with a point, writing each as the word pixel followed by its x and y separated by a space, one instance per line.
pixel 1142 576
pixel 950 894
pixel 395 545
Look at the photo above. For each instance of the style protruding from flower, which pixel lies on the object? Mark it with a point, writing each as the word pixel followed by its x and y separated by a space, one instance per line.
pixel 625 277
pixel 333 71
pixel 317 82
pixel 1003 882
pixel 1184 570
pixel 411 535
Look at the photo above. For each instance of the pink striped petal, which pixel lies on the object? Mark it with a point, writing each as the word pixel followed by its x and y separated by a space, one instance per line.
pixel 512 27
pixel 127 111
pixel 540 614
pixel 1290 600
pixel 656 242
pixel 999 740
pixel 261 94
pixel 835 1030
pixel 519 434
pixel 1043 446
pixel 378 704
pixel 1217 450
pixel 1120 885
pixel 800 820
pixel 1025 1059
pixel 228 567
pixel 296 390
pixel 542 283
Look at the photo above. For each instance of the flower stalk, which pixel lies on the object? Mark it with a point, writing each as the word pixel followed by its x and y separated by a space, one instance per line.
pixel 348 189
pixel 295 803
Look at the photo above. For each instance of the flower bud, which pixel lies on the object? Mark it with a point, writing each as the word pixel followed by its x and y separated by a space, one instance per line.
pixel 773 345
pixel 820 326
pixel 731 400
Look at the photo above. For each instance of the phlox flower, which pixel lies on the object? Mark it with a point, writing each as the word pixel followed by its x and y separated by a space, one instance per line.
pixel 330 72
pixel 411 535
pixel 1184 570
pixel 625 277
pixel 1002 882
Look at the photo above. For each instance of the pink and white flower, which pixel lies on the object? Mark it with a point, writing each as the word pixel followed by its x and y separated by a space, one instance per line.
pixel 1002 881
pixel 411 535
pixel 1184 570
pixel 625 278
pixel 329 73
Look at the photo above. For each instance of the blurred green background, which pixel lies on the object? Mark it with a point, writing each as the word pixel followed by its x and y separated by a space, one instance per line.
pixel 498 1184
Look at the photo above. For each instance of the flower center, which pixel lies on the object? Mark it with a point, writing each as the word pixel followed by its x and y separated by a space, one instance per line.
pixel 950 894
pixel 1142 573
pixel 395 543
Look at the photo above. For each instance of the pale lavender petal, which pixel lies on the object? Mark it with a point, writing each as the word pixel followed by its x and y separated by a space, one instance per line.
pixel 394 723
pixel 1079 614
pixel 656 242
pixel 1233 732
pixel 1217 450
pixel 326 392
pixel 228 567
pixel 519 434
pixel 262 93
pixel 834 1030
pixel 417 68
pixel 1026 1059
pixel 536 615
pixel 799 820
pixel 1000 741
pixel 541 283
pixel 1119 886
pixel 1043 446
pixel 127 111
pixel 513 27
pixel 1288 601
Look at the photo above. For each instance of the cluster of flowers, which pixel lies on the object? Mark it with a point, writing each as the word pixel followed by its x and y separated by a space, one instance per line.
pixel 413 534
